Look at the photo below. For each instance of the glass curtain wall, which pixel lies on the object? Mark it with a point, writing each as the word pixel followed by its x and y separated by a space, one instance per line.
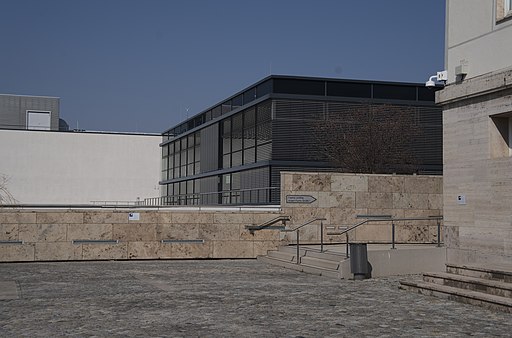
pixel 182 158
pixel 246 138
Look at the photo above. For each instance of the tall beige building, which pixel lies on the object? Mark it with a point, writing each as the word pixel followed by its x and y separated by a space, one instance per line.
pixel 477 131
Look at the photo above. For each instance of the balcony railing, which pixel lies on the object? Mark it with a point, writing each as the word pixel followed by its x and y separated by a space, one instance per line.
pixel 253 196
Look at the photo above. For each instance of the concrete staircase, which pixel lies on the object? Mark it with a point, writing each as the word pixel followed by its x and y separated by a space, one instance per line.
pixel 489 287
pixel 384 261
pixel 311 260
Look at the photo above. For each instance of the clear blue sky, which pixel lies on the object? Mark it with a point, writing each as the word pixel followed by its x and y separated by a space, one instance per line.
pixel 137 65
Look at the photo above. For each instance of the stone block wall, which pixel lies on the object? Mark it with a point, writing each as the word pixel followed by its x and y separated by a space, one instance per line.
pixel 478 166
pixel 341 197
pixel 49 235
pixel 39 235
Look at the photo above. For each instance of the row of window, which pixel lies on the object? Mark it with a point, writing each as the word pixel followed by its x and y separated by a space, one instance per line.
pixel 247 137
pixel 221 109
pixel 182 157
pixel 247 187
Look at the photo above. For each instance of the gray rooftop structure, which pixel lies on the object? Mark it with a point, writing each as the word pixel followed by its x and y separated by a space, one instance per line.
pixel 29 112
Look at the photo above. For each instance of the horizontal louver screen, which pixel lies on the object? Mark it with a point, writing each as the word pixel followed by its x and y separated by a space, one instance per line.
pixel 294 137
pixel 210 148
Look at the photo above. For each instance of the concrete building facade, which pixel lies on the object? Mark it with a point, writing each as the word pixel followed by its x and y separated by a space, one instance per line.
pixel 45 167
pixel 29 112
pixel 477 131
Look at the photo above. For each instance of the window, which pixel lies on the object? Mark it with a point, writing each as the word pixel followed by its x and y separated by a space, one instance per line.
pixel 246 137
pixel 501 136
pixel 182 157
pixel 503 9
pixel 226 107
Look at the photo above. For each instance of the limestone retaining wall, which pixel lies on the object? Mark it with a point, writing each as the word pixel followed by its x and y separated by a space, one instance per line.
pixel 46 235
pixel 340 197
pixel 49 235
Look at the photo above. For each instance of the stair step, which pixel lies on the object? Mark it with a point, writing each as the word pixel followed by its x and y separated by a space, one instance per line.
pixel 279 262
pixel 318 262
pixel 495 272
pixel 320 271
pixel 462 295
pixel 293 249
pixel 286 256
pixel 313 252
pixel 493 287
pixel 300 267
pixel 326 255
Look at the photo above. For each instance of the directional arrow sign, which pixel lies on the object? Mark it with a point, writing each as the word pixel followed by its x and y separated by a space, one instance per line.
pixel 306 199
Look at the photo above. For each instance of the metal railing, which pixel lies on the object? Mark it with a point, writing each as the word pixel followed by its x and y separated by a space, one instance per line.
pixel 115 203
pixel 321 219
pixel 267 225
pixel 225 197
pixel 388 218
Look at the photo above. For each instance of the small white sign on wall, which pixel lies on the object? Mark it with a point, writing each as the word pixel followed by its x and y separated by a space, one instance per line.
pixel 461 199
pixel 133 216
pixel 307 199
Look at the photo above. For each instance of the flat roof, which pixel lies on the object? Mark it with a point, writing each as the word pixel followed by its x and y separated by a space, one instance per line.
pixel 38 96
pixel 311 86
pixel 74 131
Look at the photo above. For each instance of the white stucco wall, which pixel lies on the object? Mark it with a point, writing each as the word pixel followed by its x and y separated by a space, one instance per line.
pixel 77 168
pixel 475 36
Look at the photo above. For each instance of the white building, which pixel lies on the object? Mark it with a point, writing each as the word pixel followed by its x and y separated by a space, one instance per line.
pixel 477 131
pixel 46 167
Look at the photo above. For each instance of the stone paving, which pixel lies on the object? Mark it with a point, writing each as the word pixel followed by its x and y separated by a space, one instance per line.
pixel 223 298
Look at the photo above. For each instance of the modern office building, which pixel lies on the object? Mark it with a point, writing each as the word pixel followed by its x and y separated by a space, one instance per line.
pixel 29 112
pixel 233 152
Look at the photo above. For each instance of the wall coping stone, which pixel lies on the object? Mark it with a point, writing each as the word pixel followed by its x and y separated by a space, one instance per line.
pixel 478 86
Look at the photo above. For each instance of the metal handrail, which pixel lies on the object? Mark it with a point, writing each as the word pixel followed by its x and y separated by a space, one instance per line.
pixel 115 203
pixel 282 218
pixel 380 218
pixel 296 229
pixel 243 194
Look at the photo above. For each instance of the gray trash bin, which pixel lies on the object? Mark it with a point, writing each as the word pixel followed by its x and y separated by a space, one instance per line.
pixel 359 265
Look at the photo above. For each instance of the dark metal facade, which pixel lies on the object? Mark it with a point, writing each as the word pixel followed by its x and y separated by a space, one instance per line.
pixel 233 153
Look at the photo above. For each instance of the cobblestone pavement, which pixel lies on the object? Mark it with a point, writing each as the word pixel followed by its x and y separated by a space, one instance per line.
pixel 223 298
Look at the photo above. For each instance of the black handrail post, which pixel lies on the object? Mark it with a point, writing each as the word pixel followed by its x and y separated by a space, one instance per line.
pixel 346 244
pixel 321 236
pixel 438 233
pixel 392 235
pixel 298 248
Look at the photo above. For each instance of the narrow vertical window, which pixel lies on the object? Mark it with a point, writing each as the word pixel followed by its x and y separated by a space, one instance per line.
pixel 501 136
